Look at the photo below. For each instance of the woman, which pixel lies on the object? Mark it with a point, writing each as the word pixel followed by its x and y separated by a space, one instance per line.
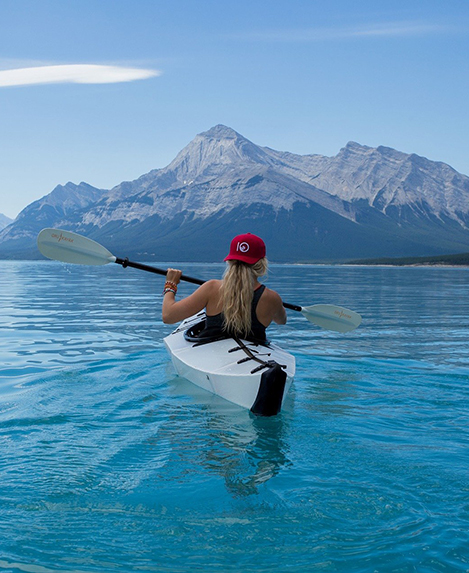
pixel 238 305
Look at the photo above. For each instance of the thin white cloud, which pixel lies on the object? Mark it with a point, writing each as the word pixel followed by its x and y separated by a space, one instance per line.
pixel 378 30
pixel 396 29
pixel 73 73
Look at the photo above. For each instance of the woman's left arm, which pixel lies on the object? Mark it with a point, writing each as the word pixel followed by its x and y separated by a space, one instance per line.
pixel 175 311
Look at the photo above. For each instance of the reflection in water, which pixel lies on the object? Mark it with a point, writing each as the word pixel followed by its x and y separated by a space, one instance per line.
pixel 246 450
pixel 247 456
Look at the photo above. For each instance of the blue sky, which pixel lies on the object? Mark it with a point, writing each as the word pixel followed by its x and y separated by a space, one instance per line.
pixel 301 76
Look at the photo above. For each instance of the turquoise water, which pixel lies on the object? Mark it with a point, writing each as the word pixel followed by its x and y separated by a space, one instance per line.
pixel 108 462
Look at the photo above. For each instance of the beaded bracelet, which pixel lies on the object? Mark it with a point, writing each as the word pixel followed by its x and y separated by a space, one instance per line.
pixel 171 284
pixel 168 288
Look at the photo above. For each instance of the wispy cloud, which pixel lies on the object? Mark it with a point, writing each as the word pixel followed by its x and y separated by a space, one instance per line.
pixel 73 73
pixel 377 30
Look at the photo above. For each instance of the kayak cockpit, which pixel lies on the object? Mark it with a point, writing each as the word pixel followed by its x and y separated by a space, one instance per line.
pixel 198 334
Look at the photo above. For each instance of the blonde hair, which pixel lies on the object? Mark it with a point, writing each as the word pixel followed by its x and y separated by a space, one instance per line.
pixel 237 292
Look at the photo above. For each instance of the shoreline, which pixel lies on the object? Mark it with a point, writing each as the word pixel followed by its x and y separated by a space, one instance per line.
pixel 274 263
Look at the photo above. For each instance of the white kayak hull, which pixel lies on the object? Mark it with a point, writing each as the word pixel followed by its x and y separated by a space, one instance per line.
pixel 226 369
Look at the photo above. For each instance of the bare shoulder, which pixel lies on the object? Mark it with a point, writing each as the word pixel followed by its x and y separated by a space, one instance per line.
pixel 272 296
pixel 212 286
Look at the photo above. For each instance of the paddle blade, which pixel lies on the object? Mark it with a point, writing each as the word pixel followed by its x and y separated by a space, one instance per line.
pixel 332 317
pixel 69 247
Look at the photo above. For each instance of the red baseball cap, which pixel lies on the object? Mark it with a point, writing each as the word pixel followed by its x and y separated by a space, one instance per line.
pixel 248 248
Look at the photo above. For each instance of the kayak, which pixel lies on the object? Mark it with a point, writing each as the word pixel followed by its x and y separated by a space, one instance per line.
pixel 253 375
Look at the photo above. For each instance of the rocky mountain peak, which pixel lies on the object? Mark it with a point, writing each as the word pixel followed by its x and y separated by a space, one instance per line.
pixel 219 147
pixel 221 132
pixel 354 146
pixel 353 154
pixel 62 201
pixel 384 151
pixel 66 198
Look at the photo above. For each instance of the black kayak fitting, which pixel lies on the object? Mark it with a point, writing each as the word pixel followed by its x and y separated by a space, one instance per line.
pixel 270 395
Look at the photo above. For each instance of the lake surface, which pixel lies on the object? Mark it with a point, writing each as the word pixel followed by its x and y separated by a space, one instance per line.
pixel 109 462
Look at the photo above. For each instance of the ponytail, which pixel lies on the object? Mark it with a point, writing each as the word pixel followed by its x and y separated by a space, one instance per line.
pixel 237 293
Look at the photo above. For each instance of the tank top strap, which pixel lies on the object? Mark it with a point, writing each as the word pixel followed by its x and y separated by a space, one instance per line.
pixel 257 295
pixel 257 328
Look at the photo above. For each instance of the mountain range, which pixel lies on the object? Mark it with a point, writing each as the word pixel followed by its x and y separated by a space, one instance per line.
pixel 362 202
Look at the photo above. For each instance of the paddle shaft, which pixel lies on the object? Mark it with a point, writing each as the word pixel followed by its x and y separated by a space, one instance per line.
pixel 126 263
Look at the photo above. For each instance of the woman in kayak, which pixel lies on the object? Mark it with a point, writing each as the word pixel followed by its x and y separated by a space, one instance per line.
pixel 238 304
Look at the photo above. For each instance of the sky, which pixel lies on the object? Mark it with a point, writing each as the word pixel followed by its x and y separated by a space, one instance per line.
pixel 103 91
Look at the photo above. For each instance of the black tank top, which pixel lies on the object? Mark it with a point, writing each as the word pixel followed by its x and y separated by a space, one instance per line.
pixel 214 324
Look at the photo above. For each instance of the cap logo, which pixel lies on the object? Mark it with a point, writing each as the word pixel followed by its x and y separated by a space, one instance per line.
pixel 243 247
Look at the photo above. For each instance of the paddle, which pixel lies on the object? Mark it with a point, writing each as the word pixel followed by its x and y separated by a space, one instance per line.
pixel 70 247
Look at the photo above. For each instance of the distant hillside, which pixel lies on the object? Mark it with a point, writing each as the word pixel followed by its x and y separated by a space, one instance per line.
pixel 453 260
pixel 58 208
pixel 4 221
pixel 362 203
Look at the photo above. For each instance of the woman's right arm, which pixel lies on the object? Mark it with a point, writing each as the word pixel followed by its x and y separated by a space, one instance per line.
pixel 280 314
pixel 274 309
